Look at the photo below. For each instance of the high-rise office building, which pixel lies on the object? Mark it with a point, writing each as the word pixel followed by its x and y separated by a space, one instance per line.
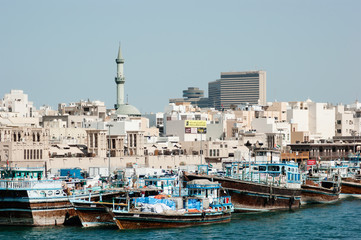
pixel 234 88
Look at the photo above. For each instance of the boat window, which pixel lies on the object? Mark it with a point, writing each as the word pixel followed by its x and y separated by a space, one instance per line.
pixel 262 168
pixel 274 168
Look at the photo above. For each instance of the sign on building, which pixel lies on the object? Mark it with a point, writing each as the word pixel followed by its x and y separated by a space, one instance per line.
pixel 195 126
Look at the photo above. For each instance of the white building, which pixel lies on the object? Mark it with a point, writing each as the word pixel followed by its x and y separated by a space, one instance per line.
pixel 298 114
pixel 269 125
pixel 344 121
pixel 321 120
pixel 17 102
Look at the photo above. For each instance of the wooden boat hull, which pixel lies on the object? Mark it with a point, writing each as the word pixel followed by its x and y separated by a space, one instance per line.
pixel 351 188
pixel 255 197
pixel 93 215
pixel 17 208
pixel 317 194
pixel 139 220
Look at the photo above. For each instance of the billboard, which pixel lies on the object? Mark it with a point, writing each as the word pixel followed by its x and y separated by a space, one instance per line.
pixel 311 162
pixel 190 130
pixel 201 130
pixel 195 126
pixel 195 123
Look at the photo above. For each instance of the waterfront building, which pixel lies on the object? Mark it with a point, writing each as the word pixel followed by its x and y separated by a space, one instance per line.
pixel 23 146
pixel 234 88
pixel 328 150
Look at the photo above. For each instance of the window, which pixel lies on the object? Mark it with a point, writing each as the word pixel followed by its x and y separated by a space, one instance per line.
pixel 210 152
pixel 262 168
pixel 274 168
pixel 217 152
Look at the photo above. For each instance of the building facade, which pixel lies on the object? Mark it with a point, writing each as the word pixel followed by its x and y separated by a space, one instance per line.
pixel 235 88
pixel 24 146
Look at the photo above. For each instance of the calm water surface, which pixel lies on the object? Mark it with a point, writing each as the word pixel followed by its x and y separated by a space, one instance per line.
pixel 334 221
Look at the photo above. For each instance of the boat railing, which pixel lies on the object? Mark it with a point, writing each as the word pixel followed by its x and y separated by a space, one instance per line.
pixel 203 186
pixel 263 178
pixel 31 184
pixel 222 203
pixel 175 193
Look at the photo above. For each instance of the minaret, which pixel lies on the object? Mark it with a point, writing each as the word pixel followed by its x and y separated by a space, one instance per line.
pixel 119 79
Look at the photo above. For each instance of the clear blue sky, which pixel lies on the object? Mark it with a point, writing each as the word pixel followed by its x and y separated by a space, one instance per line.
pixel 64 51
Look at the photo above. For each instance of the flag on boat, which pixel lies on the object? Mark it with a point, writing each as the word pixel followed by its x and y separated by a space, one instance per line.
pixel 277 146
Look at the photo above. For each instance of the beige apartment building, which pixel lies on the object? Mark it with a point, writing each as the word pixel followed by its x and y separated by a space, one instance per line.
pixel 23 146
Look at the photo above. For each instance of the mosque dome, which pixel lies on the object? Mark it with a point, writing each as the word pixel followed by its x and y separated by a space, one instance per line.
pixel 126 109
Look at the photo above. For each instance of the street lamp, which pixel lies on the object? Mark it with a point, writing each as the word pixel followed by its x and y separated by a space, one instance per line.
pixel 354 140
pixel 109 149
pixel 249 146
